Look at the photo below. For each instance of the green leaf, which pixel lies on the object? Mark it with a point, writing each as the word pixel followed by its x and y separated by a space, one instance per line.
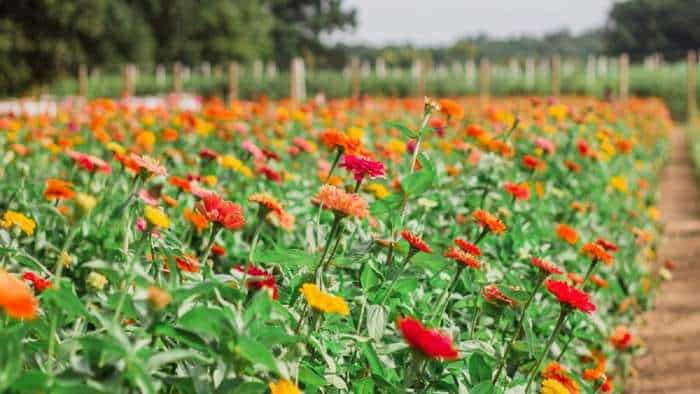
pixel 256 353
pixel 249 388
pixel 479 370
pixel 288 258
pixel 405 130
pixel 310 378
pixel 372 358
pixel 185 337
pixel 172 356
pixel 368 277
pixel 376 321
pixel 10 355
pixel 482 388
pixel 205 320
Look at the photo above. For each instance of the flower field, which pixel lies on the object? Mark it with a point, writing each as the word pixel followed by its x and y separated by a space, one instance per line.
pixel 365 246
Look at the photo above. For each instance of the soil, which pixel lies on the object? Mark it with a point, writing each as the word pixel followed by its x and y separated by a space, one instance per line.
pixel 671 331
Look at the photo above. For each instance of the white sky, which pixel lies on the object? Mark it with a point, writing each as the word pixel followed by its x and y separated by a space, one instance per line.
pixel 435 22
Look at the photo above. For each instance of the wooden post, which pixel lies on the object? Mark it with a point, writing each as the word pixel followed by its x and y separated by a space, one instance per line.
pixel 419 75
pixel 160 75
pixel 257 70
pixel 692 87
pixel 83 81
pixel 355 77
pixel 380 68
pixel 128 78
pixel 233 76
pixel 470 71
pixel 484 80
pixel 529 72
pixel 590 73
pixel 556 75
pixel 271 70
pixel 623 77
pixel 297 80
pixel 177 78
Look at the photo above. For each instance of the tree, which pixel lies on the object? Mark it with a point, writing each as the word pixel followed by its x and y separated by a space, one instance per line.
pixel 642 27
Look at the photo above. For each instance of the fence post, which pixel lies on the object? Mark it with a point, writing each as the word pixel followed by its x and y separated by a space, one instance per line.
pixel 470 71
pixel 297 80
pixel 128 77
pixel 529 72
pixel 623 76
pixel 355 77
pixel 177 78
pixel 556 75
pixel 692 88
pixel 419 75
pixel 380 68
pixel 233 77
pixel 83 81
pixel 590 73
pixel 257 70
pixel 484 80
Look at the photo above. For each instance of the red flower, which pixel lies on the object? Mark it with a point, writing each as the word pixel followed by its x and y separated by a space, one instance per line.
pixel 218 250
pixel 270 174
pixel 546 266
pixel 468 247
pixel 226 213
pixel 532 162
pixel 187 263
pixel 518 191
pixel 607 245
pixel 207 154
pixel 40 284
pixel 570 296
pixel 596 252
pixel 260 279
pixel 621 338
pixel 583 148
pixel 462 257
pixel 89 163
pixel 432 343
pixel 361 167
pixel 416 242
pixel 493 294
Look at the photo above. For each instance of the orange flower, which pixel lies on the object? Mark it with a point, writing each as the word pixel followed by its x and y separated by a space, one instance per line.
pixel 462 257
pixel 415 242
pixel 555 371
pixel 267 201
pixel 598 281
pixel 337 200
pixel 567 233
pixel 487 220
pixel 198 220
pixel 187 263
pixel 599 369
pixel 451 109
pixel 596 252
pixel 58 189
pixel 621 338
pixel 16 298
pixel 493 294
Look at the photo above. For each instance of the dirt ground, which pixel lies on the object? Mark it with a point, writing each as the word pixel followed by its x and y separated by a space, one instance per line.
pixel 672 330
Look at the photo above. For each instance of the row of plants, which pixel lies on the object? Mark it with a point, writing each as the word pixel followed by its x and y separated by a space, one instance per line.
pixel 365 246
pixel 667 83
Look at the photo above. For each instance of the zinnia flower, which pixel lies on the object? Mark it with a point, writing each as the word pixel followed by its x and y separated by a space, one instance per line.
pixel 158 298
pixel 486 220
pixel 430 342
pixel 598 369
pixel 156 217
pixel 148 165
pixel 554 371
pixel 493 294
pixel 621 338
pixel 16 299
pixel 532 162
pixel 40 284
pixel 12 218
pixel 546 267
pixel 224 213
pixel 570 296
pixel 267 201
pixel 284 386
pixel 567 233
pixel 89 163
pixel 451 109
pixel 552 386
pixel 596 252
pixel 324 302
pixel 462 257
pixel 187 263
pixel 260 279
pixel 361 167
pixel 58 189
pixel 607 245
pixel 518 191
pixel 468 247
pixel 337 200
pixel 415 242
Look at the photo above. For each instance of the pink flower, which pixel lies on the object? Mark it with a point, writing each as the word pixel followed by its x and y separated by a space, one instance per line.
pixel 89 163
pixel 361 167
pixel 545 144
pixel 147 198
pixel 254 151
pixel 141 224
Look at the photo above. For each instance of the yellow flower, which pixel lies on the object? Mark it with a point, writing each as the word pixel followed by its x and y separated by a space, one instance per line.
pixel 551 386
pixel 379 190
pixel 619 183
pixel 397 146
pixel 356 132
pixel 284 386
pixel 203 127
pixel 156 217
pixel 653 213
pixel 96 280
pixel 323 301
pixel 210 180
pixel 146 139
pixel 116 148
pixel 15 218
pixel 230 162
pixel 558 112
pixel 85 202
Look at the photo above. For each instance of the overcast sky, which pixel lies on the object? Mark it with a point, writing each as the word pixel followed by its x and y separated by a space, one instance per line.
pixel 430 22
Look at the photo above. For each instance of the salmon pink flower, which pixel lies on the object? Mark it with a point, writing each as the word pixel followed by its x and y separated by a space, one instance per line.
pixel 546 267
pixel 148 165
pixel 337 200
pixel 493 294
pixel 89 163
pixel 545 144
pixel 621 338
pixel 227 214
pixel 267 201
pixel 462 257
pixel 430 342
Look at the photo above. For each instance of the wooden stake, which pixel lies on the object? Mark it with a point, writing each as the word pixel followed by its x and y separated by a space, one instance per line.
pixel 355 77
pixel 177 78
pixel 692 87
pixel 83 81
pixel 419 75
pixel 556 75
pixel 297 80
pixel 623 77
pixel 234 70
pixel 484 80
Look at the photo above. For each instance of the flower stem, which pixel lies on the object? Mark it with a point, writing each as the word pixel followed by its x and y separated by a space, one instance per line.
pixel 591 268
pixel 446 294
pixel 404 264
pixel 518 329
pixel 412 371
pixel 560 323
pixel 254 243
pixel 331 234
pixel 335 163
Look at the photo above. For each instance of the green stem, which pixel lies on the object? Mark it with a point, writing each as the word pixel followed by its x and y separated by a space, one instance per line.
pixel 331 234
pixel 404 265
pixel 591 268
pixel 560 322
pixel 518 329
pixel 412 371
pixel 446 294
pixel 335 163
pixel 254 243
